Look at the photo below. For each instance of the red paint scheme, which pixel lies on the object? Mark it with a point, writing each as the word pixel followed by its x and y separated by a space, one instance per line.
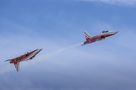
pixel 91 39
pixel 30 55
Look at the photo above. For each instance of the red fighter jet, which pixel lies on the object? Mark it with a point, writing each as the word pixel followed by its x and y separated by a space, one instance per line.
pixel 28 56
pixel 103 35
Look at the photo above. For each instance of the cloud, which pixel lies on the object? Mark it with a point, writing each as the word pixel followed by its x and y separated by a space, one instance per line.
pixel 83 68
pixel 114 2
pixel 104 65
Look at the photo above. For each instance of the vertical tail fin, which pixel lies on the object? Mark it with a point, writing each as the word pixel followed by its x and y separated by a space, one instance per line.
pixel 17 66
pixel 87 35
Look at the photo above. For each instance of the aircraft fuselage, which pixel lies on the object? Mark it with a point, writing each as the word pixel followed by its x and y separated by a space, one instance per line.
pixel 25 57
pixel 98 37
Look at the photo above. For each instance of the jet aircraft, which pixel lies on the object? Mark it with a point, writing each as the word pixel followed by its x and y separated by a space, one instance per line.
pixel 90 39
pixel 28 56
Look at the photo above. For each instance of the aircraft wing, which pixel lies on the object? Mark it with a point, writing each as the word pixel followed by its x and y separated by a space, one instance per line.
pixel 35 53
pixel 17 66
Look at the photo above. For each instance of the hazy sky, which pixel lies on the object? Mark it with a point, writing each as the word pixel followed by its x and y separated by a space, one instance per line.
pixel 57 26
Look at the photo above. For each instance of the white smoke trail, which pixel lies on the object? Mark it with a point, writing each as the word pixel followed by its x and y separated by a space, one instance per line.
pixel 61 50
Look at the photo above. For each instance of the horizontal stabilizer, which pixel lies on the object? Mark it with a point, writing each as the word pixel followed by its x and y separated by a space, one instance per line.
pixel 8 60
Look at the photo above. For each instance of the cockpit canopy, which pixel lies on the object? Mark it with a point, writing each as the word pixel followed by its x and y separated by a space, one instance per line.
pixel 105 31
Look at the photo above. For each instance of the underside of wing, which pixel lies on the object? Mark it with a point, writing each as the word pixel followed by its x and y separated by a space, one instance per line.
pixel 17 66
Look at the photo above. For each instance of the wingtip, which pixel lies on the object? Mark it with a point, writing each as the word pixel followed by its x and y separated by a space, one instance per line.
pixel 17 71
